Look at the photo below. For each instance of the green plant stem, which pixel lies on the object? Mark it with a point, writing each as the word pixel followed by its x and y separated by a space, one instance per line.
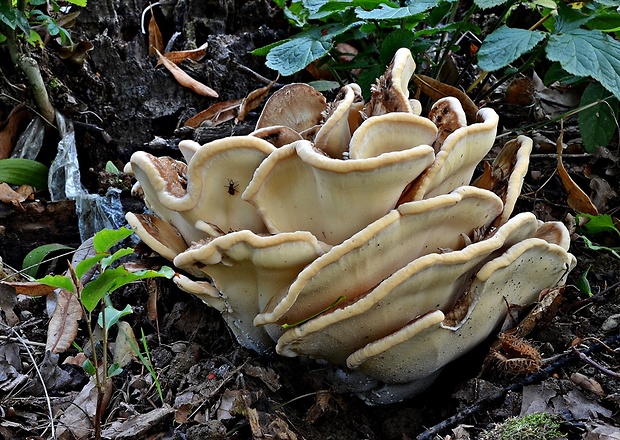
pixel 455 36
pixel 31 69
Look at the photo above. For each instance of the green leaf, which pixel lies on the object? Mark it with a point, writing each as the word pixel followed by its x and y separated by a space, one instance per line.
pixel 295 54
pixel 88 263
pixel 23 172
pixel 385 12
pixel 37 255
pixel 583 284
pixel 606 22
pixel 112 316
pixel 89 367
pixel 111 168
pixel 81 3
pixel 112 279
pixel 597 224
pixel 323 85
pixel 59 281
pixel 505 45
pixel 114 370
pixel 569 19
pixel 107 238
pixel 595 247
pixel 597 124
pixel 108 260
pixel 584 52
pixel 486 4
pixel 394 41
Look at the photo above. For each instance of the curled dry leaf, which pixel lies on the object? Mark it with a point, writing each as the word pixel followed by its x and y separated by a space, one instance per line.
pixel 10 127
pixel 254 99
pixel 8 196
pixel 217 114
pixel 156 42
pixel 177 56
pixel 587 383
pixel 30 288
pixel 184 79
pixel 437 90
pixel 577 199
pixel 63 327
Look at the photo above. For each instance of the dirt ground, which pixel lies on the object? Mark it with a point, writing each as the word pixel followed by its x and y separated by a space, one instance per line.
pixel 121 102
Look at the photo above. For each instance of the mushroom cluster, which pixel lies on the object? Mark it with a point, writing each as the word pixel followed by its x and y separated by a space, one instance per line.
pixel 351 232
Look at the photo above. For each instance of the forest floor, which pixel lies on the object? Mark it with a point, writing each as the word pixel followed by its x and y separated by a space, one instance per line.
pixel 120 102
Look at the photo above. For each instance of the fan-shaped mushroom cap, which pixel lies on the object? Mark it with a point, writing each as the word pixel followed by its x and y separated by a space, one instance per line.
pixel 298 188
pixel 188 149
pixel 249 269
pixel 335 133
pixel 216 175
pixel 203 290
pixel 505 175
pixel 298 106
pixel 456 161
pixel 390 132
pixel 417 350
pixel 382 248
pixel 391 92
pixel 433 281
pixel 158 234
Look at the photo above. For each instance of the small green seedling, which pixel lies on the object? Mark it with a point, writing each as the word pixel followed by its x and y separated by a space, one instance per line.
pixel 535 426
pixel 595 226
pixel 95 294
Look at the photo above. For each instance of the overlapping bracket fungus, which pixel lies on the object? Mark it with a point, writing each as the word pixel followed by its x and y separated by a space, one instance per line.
pixel 351 232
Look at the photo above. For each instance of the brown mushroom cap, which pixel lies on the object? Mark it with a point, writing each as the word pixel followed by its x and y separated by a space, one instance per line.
pixel 298 106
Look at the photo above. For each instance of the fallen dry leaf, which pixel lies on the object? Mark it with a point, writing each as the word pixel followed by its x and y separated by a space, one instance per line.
pixel 253 100
pixel 10 127
pixel 10 197
pixel 156 42
pixel 178 56
pixel 30 288
pixel 184 79
pixel 217 114
pixel 587 383
pixel 437 90
pixel 77 420
pixel 63 327
pixel 125 344
pixel 577 199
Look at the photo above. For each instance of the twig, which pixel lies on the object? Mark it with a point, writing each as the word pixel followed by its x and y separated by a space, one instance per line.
pixel 528 380
pixel 595 364
pixel 34 363
pixel 257 75
pixel 24 341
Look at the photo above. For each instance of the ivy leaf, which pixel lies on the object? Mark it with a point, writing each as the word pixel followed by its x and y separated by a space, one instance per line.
pixel 584 52
pixel 597 124
pixel 299 51
pixel 505 45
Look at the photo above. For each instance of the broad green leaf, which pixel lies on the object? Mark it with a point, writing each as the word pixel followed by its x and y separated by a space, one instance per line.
pixel 37 255
pixel 88 263
pixel 598 224
pixel 81 3
pixel 320 9
pixel 394 41
pixel 299 51
pixel 107 238
pixel 505 45
pixel 264 50
pixel 323 85
pixel 606 22
pixel 584 52
pixel 569 19
pixel 385 12
pixel 89 367
pixel 597 124
pixel 112 279
pixel 107 261
pixel 59 281
pixel 23 172
pixel 486 4
pixel 112 316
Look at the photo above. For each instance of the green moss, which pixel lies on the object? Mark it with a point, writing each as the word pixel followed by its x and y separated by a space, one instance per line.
pixel 535 426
